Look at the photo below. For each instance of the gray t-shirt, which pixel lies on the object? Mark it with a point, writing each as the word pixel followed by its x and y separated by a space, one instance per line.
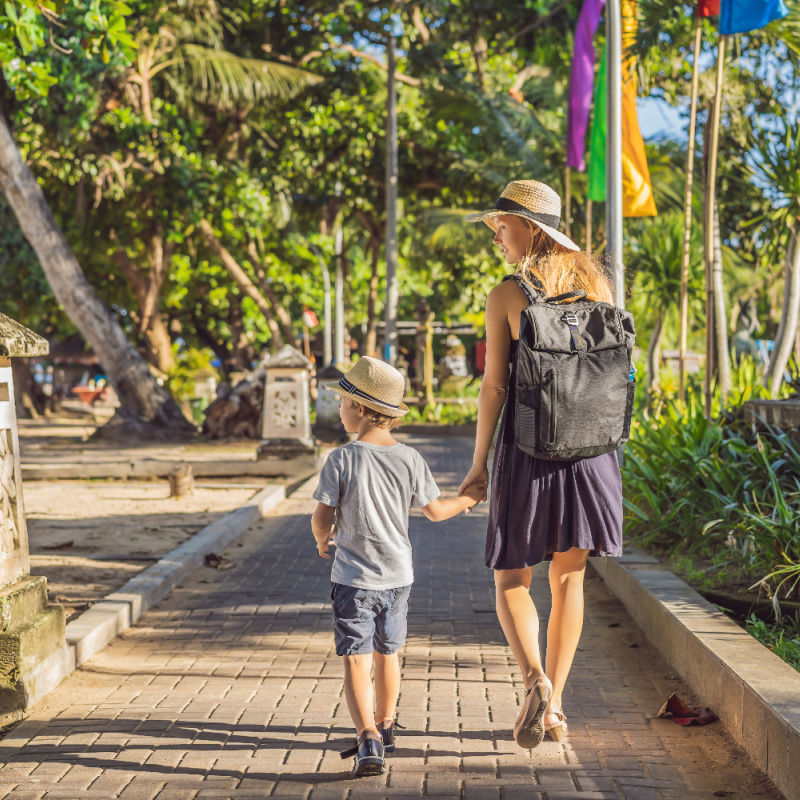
pixel 372 488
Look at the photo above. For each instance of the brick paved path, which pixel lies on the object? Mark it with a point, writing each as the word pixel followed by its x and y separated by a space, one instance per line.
pixel 230 689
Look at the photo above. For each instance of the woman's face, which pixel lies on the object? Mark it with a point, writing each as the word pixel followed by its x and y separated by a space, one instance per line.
pixel 513 235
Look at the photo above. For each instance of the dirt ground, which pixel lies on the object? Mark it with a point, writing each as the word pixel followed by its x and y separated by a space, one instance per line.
pixel 89 537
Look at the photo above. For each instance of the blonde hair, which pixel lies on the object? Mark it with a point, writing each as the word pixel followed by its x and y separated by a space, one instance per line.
pixel 378 420
pixel 561 270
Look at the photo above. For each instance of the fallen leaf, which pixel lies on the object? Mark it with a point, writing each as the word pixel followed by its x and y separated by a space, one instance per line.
pixel 681 714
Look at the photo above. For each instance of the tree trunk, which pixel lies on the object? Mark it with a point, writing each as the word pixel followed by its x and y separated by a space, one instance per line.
pixel 282 315
pixel 147 409
pixel 146 287
pixel 784 339
pixel 371 340
pixel 654 352
pixel 243 280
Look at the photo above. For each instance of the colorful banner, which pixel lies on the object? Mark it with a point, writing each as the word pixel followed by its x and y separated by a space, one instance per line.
pixel 707 8
pixel 580 82
pixel 742 16
pixel 597 137
pixel 637 191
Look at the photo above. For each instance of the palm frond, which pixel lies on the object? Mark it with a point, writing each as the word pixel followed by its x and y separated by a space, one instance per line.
pixel 228 81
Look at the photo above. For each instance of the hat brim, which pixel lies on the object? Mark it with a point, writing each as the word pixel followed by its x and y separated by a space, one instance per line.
pixel 491 214
pixel 389 411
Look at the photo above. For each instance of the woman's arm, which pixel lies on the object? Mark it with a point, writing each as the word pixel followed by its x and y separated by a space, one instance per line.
pixel 494 385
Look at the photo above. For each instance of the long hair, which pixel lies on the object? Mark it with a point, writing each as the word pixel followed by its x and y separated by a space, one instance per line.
pixel 561 270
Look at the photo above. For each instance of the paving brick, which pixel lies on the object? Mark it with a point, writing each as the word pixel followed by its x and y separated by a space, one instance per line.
pixel 229 688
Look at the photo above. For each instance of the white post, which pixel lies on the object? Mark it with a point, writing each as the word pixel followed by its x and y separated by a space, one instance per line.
pixel 392 290
pixel 614 148
pixel 338 291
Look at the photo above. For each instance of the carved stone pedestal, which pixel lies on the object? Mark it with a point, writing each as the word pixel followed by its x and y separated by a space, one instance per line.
pixel 286 421
pixel 34 656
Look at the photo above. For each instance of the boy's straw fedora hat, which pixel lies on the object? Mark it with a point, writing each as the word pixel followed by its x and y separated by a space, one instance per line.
pixel 530 200
pixel 376 385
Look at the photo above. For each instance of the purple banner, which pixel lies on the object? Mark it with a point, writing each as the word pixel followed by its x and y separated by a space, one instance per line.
pixel 581 81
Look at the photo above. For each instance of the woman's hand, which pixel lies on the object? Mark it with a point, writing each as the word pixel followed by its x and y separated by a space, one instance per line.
pixel 478 474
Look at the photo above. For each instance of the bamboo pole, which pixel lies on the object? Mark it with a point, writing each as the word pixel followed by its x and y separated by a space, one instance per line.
pixel 588 224
pixel 567 200
pixel 687 216
pixel 711 187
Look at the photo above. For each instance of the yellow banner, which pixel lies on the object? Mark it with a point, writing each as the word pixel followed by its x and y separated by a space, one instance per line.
pixel 637 191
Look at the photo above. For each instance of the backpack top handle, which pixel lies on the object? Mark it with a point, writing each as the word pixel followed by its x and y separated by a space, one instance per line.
pixel 560 298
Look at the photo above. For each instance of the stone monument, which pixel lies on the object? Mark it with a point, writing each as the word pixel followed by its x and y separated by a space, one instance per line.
pixel 286 415
pixel 328 427
pixel 34 656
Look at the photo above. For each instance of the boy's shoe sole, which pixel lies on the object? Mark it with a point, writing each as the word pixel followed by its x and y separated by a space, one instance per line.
pixel 371 765
pixel 369 759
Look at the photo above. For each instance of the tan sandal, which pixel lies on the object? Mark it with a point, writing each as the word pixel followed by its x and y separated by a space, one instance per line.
pixel 558 730
pixel 528 729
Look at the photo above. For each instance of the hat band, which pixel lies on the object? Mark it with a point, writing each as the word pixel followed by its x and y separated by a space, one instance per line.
pixel 504 204
pixel 351 389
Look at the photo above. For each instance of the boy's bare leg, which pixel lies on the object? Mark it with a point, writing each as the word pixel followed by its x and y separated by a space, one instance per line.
pixel 387 686
pixel 358 691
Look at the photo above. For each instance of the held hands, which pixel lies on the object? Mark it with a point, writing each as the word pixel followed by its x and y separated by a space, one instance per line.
pixel 476 492
pixel 475 483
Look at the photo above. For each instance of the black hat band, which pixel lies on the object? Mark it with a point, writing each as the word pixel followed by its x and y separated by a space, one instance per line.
pixel 504 204
pixel 351 389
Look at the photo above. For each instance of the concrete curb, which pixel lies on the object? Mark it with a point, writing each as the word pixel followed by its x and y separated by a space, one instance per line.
pixel 100 624
pixel 755 694
pixel 157 468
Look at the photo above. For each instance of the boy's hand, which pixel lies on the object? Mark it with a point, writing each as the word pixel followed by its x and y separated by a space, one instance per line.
pixel 475 492
pixel 322 547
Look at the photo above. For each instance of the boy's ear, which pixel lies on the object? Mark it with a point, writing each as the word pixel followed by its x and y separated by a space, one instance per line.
pixel 361 409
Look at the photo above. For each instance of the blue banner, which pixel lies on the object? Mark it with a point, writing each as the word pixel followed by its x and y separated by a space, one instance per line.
pixel 741 16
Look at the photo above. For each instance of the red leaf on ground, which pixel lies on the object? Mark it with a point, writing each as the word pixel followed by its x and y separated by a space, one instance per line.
pixel 681 714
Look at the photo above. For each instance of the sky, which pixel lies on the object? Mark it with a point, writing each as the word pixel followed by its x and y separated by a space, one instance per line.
pixel 659 120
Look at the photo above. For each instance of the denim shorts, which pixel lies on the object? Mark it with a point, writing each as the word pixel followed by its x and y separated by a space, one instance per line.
pixel 367 620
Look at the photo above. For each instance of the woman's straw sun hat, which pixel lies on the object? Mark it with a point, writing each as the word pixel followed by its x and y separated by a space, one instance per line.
pixel 376 385
pixel 530 200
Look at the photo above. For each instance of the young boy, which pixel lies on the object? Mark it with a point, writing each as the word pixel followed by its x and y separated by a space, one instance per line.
pixel 367 487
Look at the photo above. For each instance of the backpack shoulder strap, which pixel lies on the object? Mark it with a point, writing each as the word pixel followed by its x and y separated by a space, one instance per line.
pixel 526 287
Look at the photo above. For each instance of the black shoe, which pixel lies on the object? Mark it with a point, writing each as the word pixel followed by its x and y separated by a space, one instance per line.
pixel 387 734
pixel 369 758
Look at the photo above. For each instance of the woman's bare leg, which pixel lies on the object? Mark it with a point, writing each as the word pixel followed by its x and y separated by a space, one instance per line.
pixel 519 620
pixel 566 619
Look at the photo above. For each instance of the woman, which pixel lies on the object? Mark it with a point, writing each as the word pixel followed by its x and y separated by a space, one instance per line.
pixel 561 511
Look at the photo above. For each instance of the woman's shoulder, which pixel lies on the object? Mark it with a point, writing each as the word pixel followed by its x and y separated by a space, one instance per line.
pixel 506 295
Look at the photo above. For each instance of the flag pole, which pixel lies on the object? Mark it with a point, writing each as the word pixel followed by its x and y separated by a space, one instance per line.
pixel 392 290
pixel 711 200
pixel 567 200
pixel 614 148
pixel 588 224
pixel 687 215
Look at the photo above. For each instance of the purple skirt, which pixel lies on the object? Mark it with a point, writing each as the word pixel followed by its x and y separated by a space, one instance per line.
pixel 538 508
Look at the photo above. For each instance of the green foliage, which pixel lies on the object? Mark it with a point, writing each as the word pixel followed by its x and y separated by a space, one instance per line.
pixel 27 28
pixel 782 638
pixel 712 488
pixel 443 414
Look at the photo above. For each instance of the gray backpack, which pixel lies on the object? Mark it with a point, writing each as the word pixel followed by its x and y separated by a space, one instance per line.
pixel 574 378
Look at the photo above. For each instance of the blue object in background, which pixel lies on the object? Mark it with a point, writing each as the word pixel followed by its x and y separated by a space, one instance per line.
pixel 742 16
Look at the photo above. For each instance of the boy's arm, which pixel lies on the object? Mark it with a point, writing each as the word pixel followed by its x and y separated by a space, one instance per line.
pixel 442 509
pixel 322 526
